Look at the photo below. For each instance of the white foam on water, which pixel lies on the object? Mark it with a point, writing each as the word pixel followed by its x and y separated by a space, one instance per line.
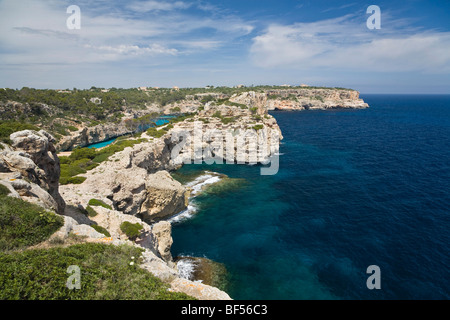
pixel 201 181
pixel 184 215
pixel 196 186
pixel 186 268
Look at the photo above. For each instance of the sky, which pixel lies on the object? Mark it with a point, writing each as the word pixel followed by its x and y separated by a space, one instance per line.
pixel 195 43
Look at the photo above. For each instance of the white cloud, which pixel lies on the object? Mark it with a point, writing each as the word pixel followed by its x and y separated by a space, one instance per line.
pixel 147 6
pixel 347 44
pixel 35 32
pixel 135 50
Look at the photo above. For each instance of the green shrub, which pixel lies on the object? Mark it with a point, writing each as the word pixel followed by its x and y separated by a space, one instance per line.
pixel 227 120
pixel 64 160
pixel 100 229
pixel 91 212
pixel 258 127
pixel 320 98
pixel 4 191
pixel 8 127
pixel 207 99
pixel 72 128
pixel 106 274
pixel 24 224
pixel 153 132
pixel 130 229
pixel 217 114
pixel 100 203
pixel 82 153
pixel 71 180
pixel 102 157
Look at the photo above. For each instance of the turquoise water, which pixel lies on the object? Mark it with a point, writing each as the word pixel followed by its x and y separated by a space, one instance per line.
pixel 159 122
pixel 101 144
pixel 355 188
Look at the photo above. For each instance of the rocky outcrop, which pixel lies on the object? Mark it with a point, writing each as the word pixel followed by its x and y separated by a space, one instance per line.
pixel 164 197
pixel 130 188
pixel 227 133
pixel 198 290
pixel 314 99
pixel 155 240
pixel 252 100
pixel 162 232
pixel 31 167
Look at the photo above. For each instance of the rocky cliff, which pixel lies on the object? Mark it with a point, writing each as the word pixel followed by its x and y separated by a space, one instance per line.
pixel 31 167
pixel 238 131
pixel 314 99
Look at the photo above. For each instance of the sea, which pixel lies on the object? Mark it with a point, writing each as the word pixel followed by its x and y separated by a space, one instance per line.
pixel 355 189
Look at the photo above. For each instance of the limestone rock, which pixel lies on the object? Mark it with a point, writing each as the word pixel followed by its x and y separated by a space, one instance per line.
pixel 165 197
pixel 158 267
pixel 70 225
pixel 198 290
pixel 314 99
pixel 31 166
pixel 162 232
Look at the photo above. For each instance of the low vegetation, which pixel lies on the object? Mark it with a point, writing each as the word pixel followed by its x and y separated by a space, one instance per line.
pixel 81 160
pixel 107 272
pixel 24 224
pixel 132 230
pixel 91 211
pixel 100 229
pixel 8 127
pixel 99 203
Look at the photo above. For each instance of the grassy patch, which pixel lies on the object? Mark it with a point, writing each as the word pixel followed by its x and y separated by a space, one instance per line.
pixel 153 132
pixel 24 224
pixel 82 160
pixel 100 203
pixel 100 229
pixel 4 191
pixel 105 274
pixel 132 230
pixel 258 127
pixel 91 211
pixel 8 127
pixel 72 128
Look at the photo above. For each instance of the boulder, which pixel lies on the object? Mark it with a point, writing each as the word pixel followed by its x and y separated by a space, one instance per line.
pixel 162 232
pixel 165 197
pixel 31 166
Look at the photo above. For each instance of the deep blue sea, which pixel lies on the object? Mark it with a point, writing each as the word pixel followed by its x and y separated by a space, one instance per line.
pixel 355 188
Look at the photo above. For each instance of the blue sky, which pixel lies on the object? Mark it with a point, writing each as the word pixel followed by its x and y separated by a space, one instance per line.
pixel 191 43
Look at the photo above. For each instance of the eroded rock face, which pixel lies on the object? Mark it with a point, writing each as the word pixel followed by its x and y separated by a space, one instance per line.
pixel 164 197
pixel 314 99
pixel 32 167
pixel 131 189
pixel 252 100
pixel 162 232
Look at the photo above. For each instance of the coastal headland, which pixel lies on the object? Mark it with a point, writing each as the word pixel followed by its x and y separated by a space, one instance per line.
pixel 124 193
